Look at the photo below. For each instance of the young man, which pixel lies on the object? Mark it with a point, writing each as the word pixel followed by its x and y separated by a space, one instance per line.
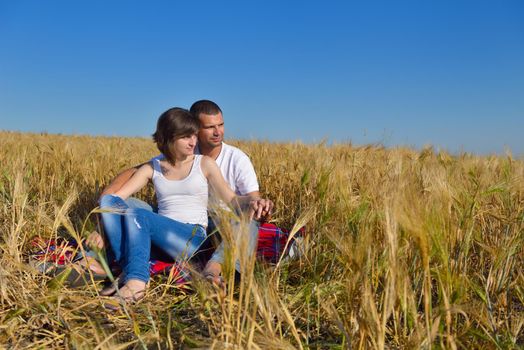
pixel 235 166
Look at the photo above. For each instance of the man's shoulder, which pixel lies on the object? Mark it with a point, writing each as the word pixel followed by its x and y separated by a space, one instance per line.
pixel 233 151
pixel 238 169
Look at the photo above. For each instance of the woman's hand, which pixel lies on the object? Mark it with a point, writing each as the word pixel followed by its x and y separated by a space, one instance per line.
pixel 260 208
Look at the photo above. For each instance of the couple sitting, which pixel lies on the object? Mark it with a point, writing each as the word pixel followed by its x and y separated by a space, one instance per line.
pixel 183 176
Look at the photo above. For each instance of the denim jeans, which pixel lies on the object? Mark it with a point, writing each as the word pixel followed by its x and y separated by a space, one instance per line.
pixel 131 231
pixel 239 230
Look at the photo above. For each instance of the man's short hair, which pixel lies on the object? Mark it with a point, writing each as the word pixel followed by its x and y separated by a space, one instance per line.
pixel 204 107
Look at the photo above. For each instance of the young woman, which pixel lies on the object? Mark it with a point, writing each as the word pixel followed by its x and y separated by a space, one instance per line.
pixel 182 181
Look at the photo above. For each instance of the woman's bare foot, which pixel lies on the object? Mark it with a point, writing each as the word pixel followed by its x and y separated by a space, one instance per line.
pixel 132 291
pixel 212 273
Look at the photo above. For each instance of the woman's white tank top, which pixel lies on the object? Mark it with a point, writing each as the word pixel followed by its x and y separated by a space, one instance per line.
pixel 182 200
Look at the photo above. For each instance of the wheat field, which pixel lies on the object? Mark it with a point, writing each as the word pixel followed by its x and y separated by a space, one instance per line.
pixel 403 249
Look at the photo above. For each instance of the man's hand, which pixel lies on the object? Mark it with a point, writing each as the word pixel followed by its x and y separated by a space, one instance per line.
pixel 95 240
pixel 260 208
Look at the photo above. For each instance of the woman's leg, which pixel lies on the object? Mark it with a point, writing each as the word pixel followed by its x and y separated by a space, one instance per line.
pixel 143 227
pixel 113 224
pixel 113 208
pixel 136 203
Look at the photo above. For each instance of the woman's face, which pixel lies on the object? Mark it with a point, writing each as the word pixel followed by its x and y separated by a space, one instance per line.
pixel 184 146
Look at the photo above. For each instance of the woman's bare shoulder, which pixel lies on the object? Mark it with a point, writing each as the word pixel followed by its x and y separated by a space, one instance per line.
pixel 146 169
pixel 208 165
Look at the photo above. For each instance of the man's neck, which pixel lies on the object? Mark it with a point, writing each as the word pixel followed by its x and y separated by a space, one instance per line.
pixel 212 152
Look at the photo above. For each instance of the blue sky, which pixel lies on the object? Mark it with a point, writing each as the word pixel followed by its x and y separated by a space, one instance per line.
pixel 445 73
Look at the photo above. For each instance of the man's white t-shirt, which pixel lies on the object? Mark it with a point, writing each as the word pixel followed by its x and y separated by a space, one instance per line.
pixel 237 169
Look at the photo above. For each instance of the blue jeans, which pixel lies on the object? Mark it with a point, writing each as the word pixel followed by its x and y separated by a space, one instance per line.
pixel 238 231
pixel 131 231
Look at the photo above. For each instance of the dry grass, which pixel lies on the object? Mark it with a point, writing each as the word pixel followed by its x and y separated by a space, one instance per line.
pixel 405 249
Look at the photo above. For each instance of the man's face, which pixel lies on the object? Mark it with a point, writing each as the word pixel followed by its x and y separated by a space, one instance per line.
pixel 211 133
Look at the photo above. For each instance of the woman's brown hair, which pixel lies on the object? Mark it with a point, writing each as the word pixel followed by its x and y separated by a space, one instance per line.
pixel 171 125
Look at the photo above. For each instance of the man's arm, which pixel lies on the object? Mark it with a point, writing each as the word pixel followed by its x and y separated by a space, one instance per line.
pixel 253 195
pixel 246 181
pixel 120 180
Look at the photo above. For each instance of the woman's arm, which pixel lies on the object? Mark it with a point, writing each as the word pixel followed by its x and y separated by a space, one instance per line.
pixel 120 180
pixel 136 182
pixel 258 207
